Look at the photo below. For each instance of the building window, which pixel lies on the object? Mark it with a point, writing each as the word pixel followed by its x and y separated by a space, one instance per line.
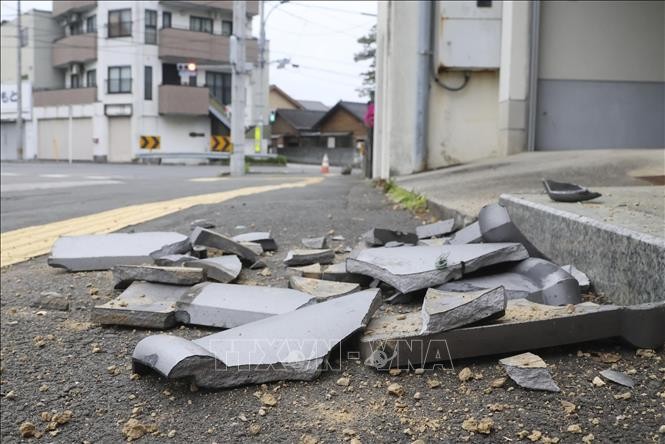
pixel 91 24
pixel 76 28
pixel 227 27
pixel 331 142
pixel 200 24
pixel 219 84
pixel 166 19
pixel 74 81
pixel 147 82
pixel 150 27
pixel 120 23
pixel 120 79
pixel 91 78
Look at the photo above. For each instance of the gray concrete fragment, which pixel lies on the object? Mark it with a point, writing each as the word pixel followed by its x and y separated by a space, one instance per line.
pixel 255 247
pixel 435 242
pixel 534 279
pixel 581 278
pixel 393 244
pixel 291 346
pixel 315 243
pixel 391 342
pixel 322 290
pixel 568 192
pixel 337 272
pixel 203 223
pixel 377 237
pixel 103 251
pixel 221 268
pixel 437 229
pixel 51 300
pixel 179 247
pixel 338 238
pixel 468 235
pixel 207 238
pixel 618 377
pixel 529 371
pixel 496 226
pixel 413 268
pixel 123 275
pixel 443 311
pixel 174 260
pixel 231 305
pixel 142 304
pixel 264 238
pixel 199 251
pixel 309 271
pixel 307 257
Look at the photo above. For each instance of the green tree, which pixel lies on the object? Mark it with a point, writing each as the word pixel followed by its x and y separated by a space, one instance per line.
pixel 368 52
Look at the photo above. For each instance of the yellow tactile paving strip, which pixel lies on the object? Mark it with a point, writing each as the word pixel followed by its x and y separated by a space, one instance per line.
pixel 24 243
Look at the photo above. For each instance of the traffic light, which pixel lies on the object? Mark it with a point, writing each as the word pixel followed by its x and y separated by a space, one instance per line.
pixel 273 116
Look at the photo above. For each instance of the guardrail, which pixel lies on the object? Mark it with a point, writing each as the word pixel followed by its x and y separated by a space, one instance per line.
pixel 204 155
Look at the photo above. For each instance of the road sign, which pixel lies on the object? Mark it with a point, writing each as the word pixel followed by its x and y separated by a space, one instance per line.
pixel 221 143
pixel 149 142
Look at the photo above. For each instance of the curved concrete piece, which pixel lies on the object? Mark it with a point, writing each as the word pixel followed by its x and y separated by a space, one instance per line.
pixel 496 226
pixel 437 229
pixel 320 289
pixel 291 346
pixel 208 238
pixel 534 279
pixel 567 192
pixel 222 269
pixel 103 251
pixel 414 268
pixel 308 257
pixel 263 238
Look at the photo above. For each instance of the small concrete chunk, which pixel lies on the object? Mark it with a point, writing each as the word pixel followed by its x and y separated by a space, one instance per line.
pixel 180 247
pixel 529 371
pixel 568 192
pixel 255 247
pixel 307 257
pixel 413 268
pixel 309 271
pixel 123 275
pixel 264 238
pixel 581 278
pixel 315 243
pixel 221 268
pixel 534 279
pixel 377 237
pixel 51 300
pixel 208 238
pixel 443 311
pixel 437 229
pixel 174 260
pixel 496 226
pixel 103 251
pixel 338 273
pixel 468 235
pixel 320 289
pixel 618 377
pixel 291 346
pixel 203 223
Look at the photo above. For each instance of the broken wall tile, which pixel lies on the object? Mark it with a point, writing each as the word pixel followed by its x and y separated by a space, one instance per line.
pixel 208 238
pixel 321 289
pixel 264 238
pixel 123 275
pixel 255 247
pixel 568 192
pixel 315 243
pixel 103 251
pixel 307 257
pixel 618 377
pixel 337 272
pixel 292 346
pixel 377 237
pixel 179 247
pixel 496 226
pixel 468 235
pixel 174 260
pixel 581 278
pixel 437 229
pixel 222 269
pixel 529 371
pixel 203 223
pixel 309 271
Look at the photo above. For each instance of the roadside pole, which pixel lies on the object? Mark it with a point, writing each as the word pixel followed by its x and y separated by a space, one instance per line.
pixel 262 66
pixel 238 92
pixel 19 86
pixel 70 135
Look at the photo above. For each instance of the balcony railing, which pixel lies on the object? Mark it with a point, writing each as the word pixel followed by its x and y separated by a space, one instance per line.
pixel 78 48
pixel 222 5
pixel 58 97
pixel 183 100
pixel 183 45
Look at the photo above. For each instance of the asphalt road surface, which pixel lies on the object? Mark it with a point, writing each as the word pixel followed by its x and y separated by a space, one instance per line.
pixel 54 361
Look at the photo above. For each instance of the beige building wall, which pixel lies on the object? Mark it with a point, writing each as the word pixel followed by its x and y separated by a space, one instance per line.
pixel 277 100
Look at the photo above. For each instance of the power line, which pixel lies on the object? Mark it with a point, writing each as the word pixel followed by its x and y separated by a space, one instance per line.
pixel 327 8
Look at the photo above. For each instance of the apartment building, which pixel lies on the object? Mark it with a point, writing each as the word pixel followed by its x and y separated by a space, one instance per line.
pixel 121 79
pixel 464 80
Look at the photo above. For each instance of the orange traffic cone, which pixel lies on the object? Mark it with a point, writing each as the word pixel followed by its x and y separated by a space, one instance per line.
pixel 325 166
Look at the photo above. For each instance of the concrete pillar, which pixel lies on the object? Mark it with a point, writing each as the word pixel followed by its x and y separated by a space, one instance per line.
pixel 514 77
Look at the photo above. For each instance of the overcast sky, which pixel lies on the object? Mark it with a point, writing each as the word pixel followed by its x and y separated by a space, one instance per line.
pixel 319 36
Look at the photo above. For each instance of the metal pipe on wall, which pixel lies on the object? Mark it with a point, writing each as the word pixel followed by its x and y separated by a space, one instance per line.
pixel 422 86
pixel 533 75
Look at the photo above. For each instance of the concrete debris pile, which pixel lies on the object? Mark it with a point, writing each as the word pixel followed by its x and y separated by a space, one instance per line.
pixel 481 290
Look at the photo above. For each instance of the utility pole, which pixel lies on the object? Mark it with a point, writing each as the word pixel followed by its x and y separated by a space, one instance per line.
pixel 238 90
pixel 19 86
pixel 262 66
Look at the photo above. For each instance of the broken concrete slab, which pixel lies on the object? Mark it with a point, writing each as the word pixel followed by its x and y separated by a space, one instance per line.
pixel 496 226
pixel 413 268
pixel 437 229
pixel 618 377
pixel 568 192
pixel 308 257
pixel 291 346
pixel 264 238
pixel 51 300
pixel 231 305
pixel 391 342
pixel 255 247
pixel 320 289
pixel 124 275
pixel 174 260
pixel 468 235
pixel 222 269
pixel 203 223
pixel 179 247
pixel 534 279
pixel 337 272
pixel 142 304
pixel 581 278
pixel 309 271
pixel 208 238
pixel 315 243
pixel 103 251
pixel 434 242
pixel 529 371
pixel 377 237
pixel 443 311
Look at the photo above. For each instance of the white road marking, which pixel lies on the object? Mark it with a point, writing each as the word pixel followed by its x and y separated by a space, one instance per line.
pixel 9 174
pixel 50 185
pixel 54 176
pixel 207 179
pixel 98 177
